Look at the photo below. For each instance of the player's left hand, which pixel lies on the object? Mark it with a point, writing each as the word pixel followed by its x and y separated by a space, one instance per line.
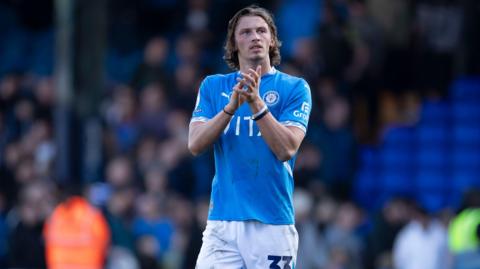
pixel 250 84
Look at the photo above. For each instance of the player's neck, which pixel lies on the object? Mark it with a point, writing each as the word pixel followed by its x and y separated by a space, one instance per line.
pixel 266 67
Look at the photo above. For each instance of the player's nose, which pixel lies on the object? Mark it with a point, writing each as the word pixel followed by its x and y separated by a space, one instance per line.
pixel 255 36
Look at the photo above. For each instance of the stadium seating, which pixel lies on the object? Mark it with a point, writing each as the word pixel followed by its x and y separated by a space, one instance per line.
pixel 435 161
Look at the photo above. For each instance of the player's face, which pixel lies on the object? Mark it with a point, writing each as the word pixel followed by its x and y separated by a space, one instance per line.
pixel 253 38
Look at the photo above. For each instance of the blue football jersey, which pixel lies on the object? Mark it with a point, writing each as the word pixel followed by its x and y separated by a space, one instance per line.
pixel 250 183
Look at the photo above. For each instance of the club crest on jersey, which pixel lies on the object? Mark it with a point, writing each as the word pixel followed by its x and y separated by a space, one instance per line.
pixel 271 98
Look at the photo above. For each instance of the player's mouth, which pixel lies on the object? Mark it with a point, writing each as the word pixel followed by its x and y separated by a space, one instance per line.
pixel 256 47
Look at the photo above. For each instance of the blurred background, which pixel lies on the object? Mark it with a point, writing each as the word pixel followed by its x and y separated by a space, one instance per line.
pixel 96 97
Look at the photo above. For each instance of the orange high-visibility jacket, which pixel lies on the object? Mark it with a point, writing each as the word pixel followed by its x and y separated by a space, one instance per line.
pixel 76 236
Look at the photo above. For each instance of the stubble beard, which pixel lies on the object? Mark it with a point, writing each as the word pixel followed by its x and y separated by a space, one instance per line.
pixel 257 60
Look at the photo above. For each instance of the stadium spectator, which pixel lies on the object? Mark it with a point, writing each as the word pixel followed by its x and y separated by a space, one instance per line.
pixel 302 59
pixel 345 246
pixel 145 155
pixel 27 224
pixel 121 118
pixel 186 84
pixel 45 98
pixel 120 258
pixel 187 51
pixel 153 110
pixel 307 169
pixel 438 29
pixel 422 243
pixel 194 241
pixel 462 228
pixel 395 21
pixel 152 227
pixel 119 213
pixel 154 67
pixel 156 181
pixel 336 144
pixel 385 226
pixel 182 213
pixel 76 233
pixel 311 220
pixel 468 259
pixel 335 50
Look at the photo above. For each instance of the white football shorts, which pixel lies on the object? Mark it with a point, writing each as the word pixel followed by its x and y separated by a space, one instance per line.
pixel 248 245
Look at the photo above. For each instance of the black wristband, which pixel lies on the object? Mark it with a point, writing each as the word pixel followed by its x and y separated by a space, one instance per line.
pixel 261 115
pixel 226 112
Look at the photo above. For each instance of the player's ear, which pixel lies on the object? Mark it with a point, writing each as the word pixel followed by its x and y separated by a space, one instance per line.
pixel 272 43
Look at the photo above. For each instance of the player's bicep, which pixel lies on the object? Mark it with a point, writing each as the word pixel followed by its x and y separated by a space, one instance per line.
pixel 194 127
pixel 195 140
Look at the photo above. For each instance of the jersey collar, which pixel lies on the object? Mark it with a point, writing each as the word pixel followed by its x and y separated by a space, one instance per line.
pixel 272 71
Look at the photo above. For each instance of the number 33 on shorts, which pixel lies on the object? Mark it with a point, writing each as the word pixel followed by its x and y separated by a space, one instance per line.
pixel 280 260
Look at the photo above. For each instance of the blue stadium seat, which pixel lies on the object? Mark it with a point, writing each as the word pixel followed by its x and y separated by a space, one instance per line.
pixel 467 112
pixel 464 179
pixel 397 181
pixel 432 180
pixel 467 88
pixel 399 137
pixel 366 179
pixel 466 134
pixel 437 156
pixel 466 157
pixel 433 201
pixel 367 200
pixel 396 158
pixel 368 157
pixel 435 111
pixel 397 149
pixel 365 188
pixel 436 134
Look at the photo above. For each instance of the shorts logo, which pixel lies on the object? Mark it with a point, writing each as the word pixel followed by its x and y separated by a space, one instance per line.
pixel 271 98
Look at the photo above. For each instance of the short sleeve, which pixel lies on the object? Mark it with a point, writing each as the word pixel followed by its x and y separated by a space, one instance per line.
pixel 296 111
pixel 203 110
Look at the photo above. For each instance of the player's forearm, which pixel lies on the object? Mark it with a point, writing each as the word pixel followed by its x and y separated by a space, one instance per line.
pixel 203 134
pixel 283 142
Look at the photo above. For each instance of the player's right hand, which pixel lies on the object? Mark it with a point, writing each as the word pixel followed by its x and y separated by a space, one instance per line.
pixel 236 100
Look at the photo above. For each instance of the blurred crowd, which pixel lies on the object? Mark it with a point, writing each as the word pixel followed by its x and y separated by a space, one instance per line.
pixel 149 199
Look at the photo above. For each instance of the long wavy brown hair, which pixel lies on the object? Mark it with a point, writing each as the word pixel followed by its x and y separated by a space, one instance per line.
pixel 231 52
